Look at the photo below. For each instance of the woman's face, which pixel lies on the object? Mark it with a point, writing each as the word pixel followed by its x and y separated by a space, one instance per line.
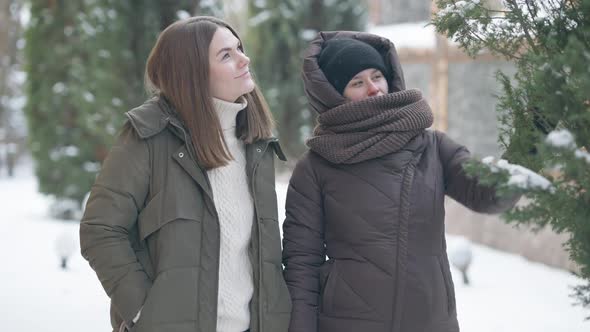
pixel 228 67
pixel 368 83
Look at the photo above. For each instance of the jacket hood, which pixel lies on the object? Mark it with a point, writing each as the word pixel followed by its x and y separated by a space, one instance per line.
pixel 321 94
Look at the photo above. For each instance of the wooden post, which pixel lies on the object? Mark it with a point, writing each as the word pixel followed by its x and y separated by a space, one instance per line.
pixel 439 83
pixel 375 11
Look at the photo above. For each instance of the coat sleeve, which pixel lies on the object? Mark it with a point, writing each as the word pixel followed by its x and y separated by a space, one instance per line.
pixel 303 246
pixel 110 219
pixel 463 188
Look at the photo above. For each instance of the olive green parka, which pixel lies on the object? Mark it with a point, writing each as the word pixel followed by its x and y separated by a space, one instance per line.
pixel 150 230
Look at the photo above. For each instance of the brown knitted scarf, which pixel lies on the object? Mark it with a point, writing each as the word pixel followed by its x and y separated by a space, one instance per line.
pixel 370 128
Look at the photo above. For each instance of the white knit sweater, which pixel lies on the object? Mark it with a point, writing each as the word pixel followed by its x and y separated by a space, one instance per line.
pixel 235 208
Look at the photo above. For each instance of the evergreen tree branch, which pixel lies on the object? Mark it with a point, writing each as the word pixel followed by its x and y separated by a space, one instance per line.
pixel 524 25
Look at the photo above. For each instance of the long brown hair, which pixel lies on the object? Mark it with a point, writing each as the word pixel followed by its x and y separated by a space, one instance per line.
pixel 178 69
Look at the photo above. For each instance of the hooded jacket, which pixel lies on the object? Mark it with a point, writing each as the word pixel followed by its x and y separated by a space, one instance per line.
pixel 379 222
pixel 151 231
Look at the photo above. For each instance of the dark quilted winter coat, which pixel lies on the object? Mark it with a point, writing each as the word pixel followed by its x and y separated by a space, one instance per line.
pixel 380 223
pixel 151 232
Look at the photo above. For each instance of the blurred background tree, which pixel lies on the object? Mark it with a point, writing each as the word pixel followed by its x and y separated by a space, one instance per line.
pixel 85 62
pixel 12 123
pixel 278 33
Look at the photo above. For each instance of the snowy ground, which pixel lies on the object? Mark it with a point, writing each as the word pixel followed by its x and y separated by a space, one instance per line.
pixel 507 293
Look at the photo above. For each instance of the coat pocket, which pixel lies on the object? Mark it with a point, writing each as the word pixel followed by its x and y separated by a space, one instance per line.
pixel 449 287
pixel 173 298
pixel 162 209
pixel 171 229
pixel 339 299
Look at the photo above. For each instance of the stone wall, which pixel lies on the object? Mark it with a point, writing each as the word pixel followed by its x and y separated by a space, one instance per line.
pixel 472 116
pixel 417 76
pixel 472 121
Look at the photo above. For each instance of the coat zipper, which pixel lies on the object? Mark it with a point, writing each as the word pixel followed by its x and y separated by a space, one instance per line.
pixel 254 169
pixel 407 183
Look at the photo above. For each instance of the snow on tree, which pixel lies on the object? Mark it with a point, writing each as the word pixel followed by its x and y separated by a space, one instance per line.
pixel 544 110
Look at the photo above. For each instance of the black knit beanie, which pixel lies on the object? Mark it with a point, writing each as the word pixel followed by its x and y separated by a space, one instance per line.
pixel 342 58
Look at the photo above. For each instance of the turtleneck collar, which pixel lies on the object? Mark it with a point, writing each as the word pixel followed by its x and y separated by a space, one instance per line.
pixel 227 111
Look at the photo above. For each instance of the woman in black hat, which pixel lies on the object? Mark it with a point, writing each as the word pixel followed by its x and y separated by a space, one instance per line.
pixel 369 195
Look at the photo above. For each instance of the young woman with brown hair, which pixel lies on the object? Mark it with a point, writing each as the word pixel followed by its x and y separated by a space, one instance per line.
pixel 181 224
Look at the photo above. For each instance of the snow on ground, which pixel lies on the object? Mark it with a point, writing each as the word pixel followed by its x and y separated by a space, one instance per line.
pixel 35 294
pixel 508 293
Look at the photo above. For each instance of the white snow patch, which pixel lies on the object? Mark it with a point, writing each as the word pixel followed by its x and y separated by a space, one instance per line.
pixel 59 88
pixel 308 34
pixel 91 167
pixel 88 96
pixel 458 8
pixel 117 102
pixel 520 176
pixel 25 14
pixel 561 138
pixel 104 54
pixel 208 3
pixel 17 77
pixel 461 253
pixel 112 14
pixel 88 28
pixel 65 151
pixel 407 35
pixel 65 244
pixel 68 31
pixel 21 43
pixel 17 103
pixel 579 153
pixel 182 14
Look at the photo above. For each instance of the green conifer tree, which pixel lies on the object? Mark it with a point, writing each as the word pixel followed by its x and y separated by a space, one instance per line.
pixel 85 63
pixel 544 109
